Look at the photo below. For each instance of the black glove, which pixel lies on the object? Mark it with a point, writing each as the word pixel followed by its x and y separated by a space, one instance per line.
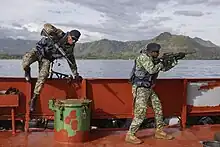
pixel 169 63
pixel 78 78
pixel 165 62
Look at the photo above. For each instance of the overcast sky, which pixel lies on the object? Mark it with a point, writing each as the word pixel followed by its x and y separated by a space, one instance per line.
pixel 112 19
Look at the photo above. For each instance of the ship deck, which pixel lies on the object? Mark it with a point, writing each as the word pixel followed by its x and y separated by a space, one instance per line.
pixel 189 137
pixel 112 99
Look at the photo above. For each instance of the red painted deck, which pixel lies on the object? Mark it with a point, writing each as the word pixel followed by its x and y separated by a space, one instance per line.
pixel 114 92
pixel 190 137
pixel 112 98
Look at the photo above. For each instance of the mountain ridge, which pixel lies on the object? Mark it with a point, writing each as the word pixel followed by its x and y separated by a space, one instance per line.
pixel 114 49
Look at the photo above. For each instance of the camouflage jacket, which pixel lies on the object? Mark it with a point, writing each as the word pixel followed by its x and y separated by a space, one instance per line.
pixel 145 72
pixel 146 62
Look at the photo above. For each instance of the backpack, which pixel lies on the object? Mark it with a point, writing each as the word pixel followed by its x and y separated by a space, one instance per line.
pixel 54 33
pixel 132 74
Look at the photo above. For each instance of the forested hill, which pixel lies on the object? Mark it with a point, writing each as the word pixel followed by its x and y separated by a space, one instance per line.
pixel 112 49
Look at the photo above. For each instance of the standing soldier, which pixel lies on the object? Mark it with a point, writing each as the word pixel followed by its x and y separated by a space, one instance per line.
pixel 45 52
pixel 143 78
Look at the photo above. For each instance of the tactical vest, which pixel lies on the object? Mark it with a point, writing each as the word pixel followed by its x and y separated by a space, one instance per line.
pixel 141 78
pixel 46 49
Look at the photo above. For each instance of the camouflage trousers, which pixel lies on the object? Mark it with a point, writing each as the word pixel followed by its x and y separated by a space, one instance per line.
pixel 43 65
pixel 143 98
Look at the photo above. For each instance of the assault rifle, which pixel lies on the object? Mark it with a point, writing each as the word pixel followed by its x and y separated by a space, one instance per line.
pixel 168 57
pixel 57 47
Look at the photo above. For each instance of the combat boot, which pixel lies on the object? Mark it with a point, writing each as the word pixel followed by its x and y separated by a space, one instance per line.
pixel 27 74
pixel 132 139
pixel 32 102
pixel 160 134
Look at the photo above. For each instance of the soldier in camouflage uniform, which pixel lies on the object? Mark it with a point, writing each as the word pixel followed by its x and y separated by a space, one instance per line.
pixel 143 78
pixel 45 53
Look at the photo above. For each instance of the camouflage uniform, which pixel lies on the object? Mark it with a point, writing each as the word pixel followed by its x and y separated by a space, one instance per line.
pixel 146 97
pixel 45 53
pixel 44 65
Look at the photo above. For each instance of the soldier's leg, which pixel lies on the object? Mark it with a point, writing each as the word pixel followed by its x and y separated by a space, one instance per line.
pixel 141 96
pixel 157 107
pixel 44 66
pixel 27 60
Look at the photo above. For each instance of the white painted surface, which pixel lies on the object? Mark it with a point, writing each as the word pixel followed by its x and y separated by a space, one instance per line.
pixel 196 97
pixel 174 121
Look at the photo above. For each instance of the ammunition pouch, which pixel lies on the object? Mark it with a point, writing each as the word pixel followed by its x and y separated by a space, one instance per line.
pixel 141 81
pixel 144 84
pixel 141 78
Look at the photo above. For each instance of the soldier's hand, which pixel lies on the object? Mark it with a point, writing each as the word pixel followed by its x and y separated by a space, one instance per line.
pixel 165 62
pixel 78 78
pixel 69 79
pixel 153 85
pixel 168 64
pixel 175 62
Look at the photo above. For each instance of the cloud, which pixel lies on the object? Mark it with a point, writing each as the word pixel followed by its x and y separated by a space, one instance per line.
pixel 189 13
pixel 112 19
pixel 194 2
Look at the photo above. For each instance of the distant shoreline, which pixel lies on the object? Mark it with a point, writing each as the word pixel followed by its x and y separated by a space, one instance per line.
pixel 111 57
pixel 105 49
pixel 20 58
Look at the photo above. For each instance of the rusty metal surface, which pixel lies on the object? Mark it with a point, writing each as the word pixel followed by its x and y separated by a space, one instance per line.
pixel 190 137
pixel 114 92
pixel 203 97
pixel 21 85
pixel 207 110
pixel 9 100
pixel 172 97
pixel 112 98
pixel 58 89
pixel 203 93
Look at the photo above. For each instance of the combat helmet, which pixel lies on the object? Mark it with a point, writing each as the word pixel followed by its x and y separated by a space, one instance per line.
pixel 151 47
pixel 75 34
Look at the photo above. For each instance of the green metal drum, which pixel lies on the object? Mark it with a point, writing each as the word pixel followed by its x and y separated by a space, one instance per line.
pixel 71 119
